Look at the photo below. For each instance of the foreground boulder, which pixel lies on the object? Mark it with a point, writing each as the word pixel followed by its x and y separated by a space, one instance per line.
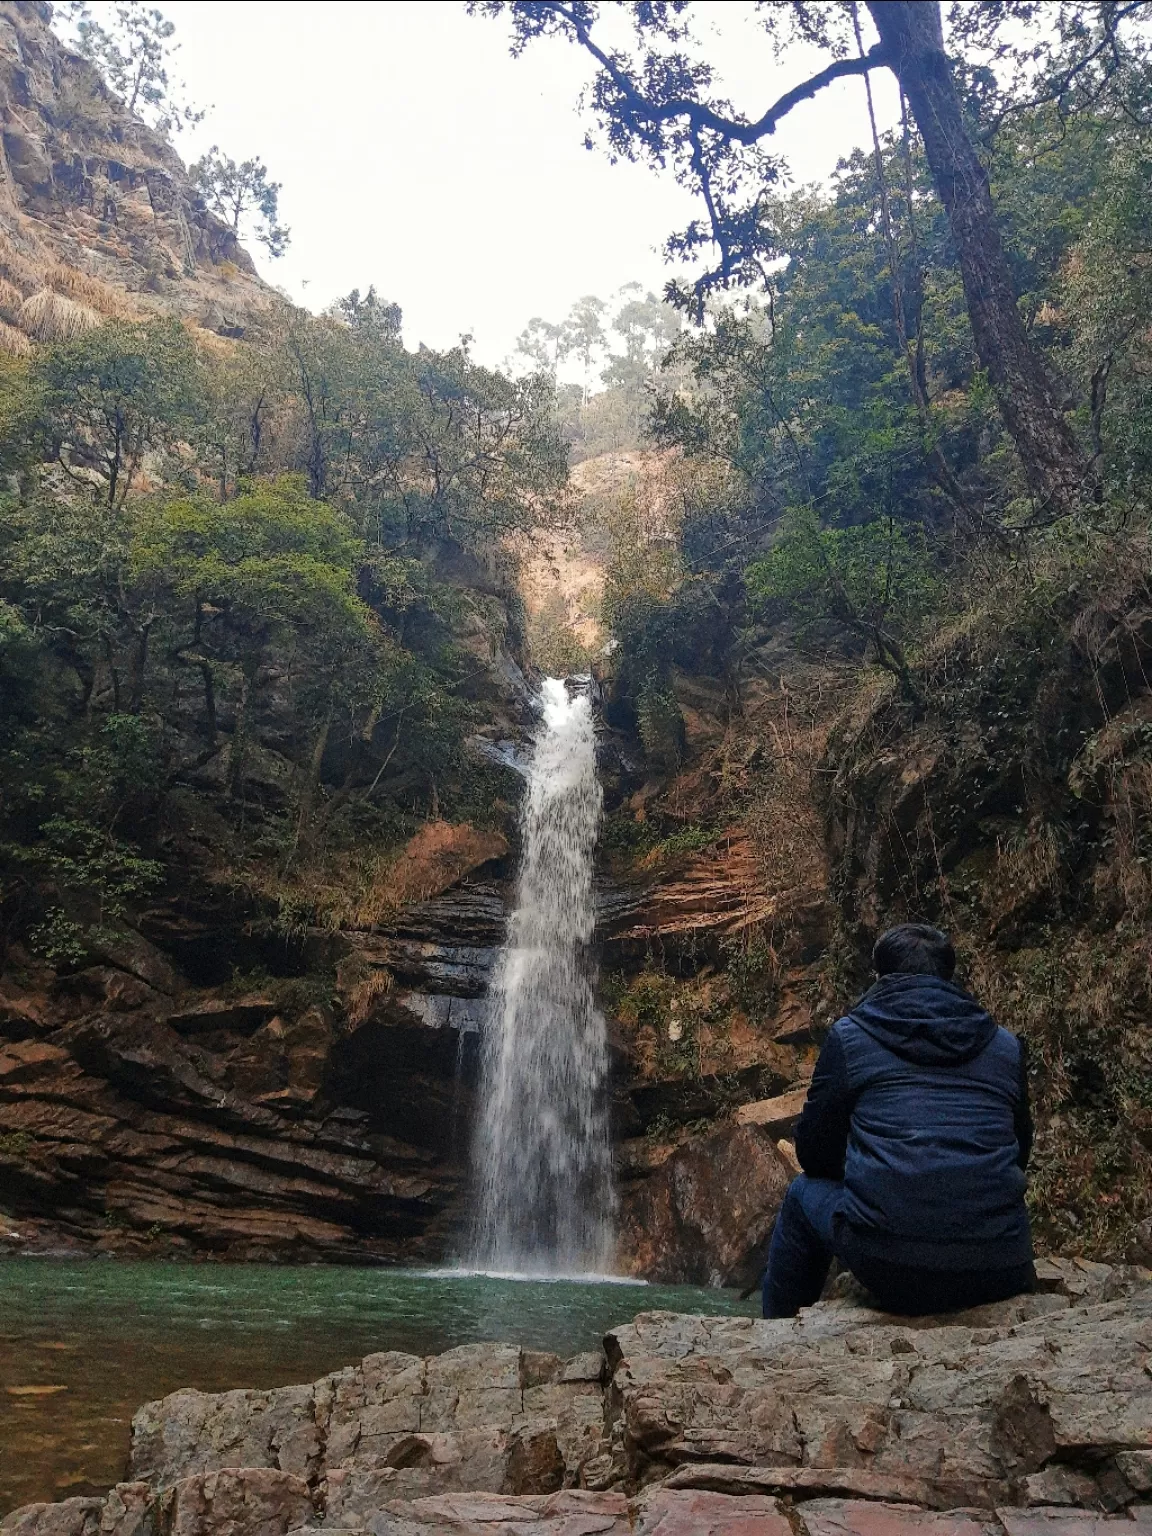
pixel 1002 1421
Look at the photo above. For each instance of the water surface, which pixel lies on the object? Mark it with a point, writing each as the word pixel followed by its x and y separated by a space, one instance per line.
pixel 84 1343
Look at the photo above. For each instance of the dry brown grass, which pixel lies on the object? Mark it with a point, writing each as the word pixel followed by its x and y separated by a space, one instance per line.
pixel 10 300
pixel 361 997
pixel 435 858
pixel 208 341
pixel 19 269
pixel 14 342
pixel 49 316
pixel 361 889
pixel 90 291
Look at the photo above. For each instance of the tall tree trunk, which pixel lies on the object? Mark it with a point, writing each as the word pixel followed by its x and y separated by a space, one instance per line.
pixel 139 668
pixel 310 779
pixel 248 670
pixel 911 32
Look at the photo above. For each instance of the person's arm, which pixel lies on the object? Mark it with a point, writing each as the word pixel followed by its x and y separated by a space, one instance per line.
pixel 822 1131
pixel 1022 1114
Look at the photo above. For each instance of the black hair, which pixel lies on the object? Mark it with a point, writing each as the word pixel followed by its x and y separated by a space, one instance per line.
pixel 915 949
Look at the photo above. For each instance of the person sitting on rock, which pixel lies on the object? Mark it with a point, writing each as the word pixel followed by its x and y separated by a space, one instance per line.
pixel 914 1141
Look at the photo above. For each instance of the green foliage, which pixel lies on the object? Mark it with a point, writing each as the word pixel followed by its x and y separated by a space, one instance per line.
pixel 243 197
pixel 685 840
pixel 870 480
pixel 753 972
pixel 92 872
pixel 271 562
pixel 1106 294
pixel 875 579
pixel 241 602
pixel 134 52
pixel 105 399
pixel 66 848
pixel 660 724
pixel 419 447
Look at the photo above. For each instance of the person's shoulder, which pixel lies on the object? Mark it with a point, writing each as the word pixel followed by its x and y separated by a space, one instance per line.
pixel 839 1041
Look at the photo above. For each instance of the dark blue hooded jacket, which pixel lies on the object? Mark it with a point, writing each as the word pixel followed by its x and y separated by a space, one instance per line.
pixel 919 1103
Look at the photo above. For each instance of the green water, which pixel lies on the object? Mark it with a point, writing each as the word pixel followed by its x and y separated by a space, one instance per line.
pixel 84 1343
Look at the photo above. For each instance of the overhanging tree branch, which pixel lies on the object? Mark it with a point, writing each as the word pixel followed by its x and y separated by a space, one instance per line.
pixel 697 114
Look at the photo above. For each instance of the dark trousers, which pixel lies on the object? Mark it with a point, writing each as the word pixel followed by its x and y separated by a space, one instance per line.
pixel 807 1238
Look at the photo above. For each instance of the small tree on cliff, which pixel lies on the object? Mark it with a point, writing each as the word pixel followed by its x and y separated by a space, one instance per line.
pixel 241 193
pixel 655 101
pixel 135 53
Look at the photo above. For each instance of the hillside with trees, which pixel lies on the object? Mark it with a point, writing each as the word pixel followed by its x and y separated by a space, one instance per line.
pixel 260 633
pixel 852 529
pixel 892 624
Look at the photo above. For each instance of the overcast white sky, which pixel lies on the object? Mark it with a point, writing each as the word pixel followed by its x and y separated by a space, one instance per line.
pixel 415 154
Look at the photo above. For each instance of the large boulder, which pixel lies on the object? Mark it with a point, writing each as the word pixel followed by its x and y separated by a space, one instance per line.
pixel 947 1411
pixel 703 1214
pixel 1045 1398
pixel 481 1417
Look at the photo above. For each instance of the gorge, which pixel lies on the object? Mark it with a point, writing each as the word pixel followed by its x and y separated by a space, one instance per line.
pixel 444 807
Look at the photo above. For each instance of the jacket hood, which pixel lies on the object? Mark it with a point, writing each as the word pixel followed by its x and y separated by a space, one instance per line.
pixel 924 1019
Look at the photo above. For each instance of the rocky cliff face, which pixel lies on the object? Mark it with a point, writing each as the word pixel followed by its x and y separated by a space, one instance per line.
pixel 718 922
pixel 1020 1419
pixel 141 1115
pixel 1016 811
pixel 96 208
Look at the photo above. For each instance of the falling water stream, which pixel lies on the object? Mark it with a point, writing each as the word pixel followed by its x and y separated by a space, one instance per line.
pixel 542 1155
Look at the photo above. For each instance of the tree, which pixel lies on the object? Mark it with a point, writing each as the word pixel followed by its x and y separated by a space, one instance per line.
pixel 370 316
pixel 656 102
pixel 873 580
pixel 108 397
pixel 1106 299
pixel 135 53
pixel 544 343
pixel 648 327
pixel 242 194
pixel 427 447
pixel 272 565
pixel 584 333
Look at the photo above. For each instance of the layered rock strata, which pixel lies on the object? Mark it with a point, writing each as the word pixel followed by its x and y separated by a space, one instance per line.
pixel 1018 1419
pixel 140 1115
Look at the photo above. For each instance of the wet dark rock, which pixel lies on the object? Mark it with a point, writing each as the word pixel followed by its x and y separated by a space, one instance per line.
pixel 702 1214
pixel 690 1097
pixel 242 1016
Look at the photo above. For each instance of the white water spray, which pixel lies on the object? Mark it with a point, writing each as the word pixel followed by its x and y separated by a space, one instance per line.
pixel 542 1155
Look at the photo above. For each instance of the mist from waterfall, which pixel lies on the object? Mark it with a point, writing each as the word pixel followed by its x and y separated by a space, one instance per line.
pixel 542 1155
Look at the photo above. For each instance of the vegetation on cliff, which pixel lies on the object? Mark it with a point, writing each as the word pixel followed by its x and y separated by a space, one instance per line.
pixel 902 583
pixel 877 578
pixel 251 594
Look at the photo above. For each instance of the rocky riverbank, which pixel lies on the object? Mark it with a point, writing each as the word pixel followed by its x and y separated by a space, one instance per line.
pixel 1016 1419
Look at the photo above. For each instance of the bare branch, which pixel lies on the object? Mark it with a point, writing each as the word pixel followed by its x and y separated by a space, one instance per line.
pixel 698 115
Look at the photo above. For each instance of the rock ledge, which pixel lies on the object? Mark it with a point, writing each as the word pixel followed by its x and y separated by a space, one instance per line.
pixel 1021 1419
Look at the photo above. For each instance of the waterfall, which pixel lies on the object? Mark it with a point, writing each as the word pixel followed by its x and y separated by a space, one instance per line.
pixel 541 1154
